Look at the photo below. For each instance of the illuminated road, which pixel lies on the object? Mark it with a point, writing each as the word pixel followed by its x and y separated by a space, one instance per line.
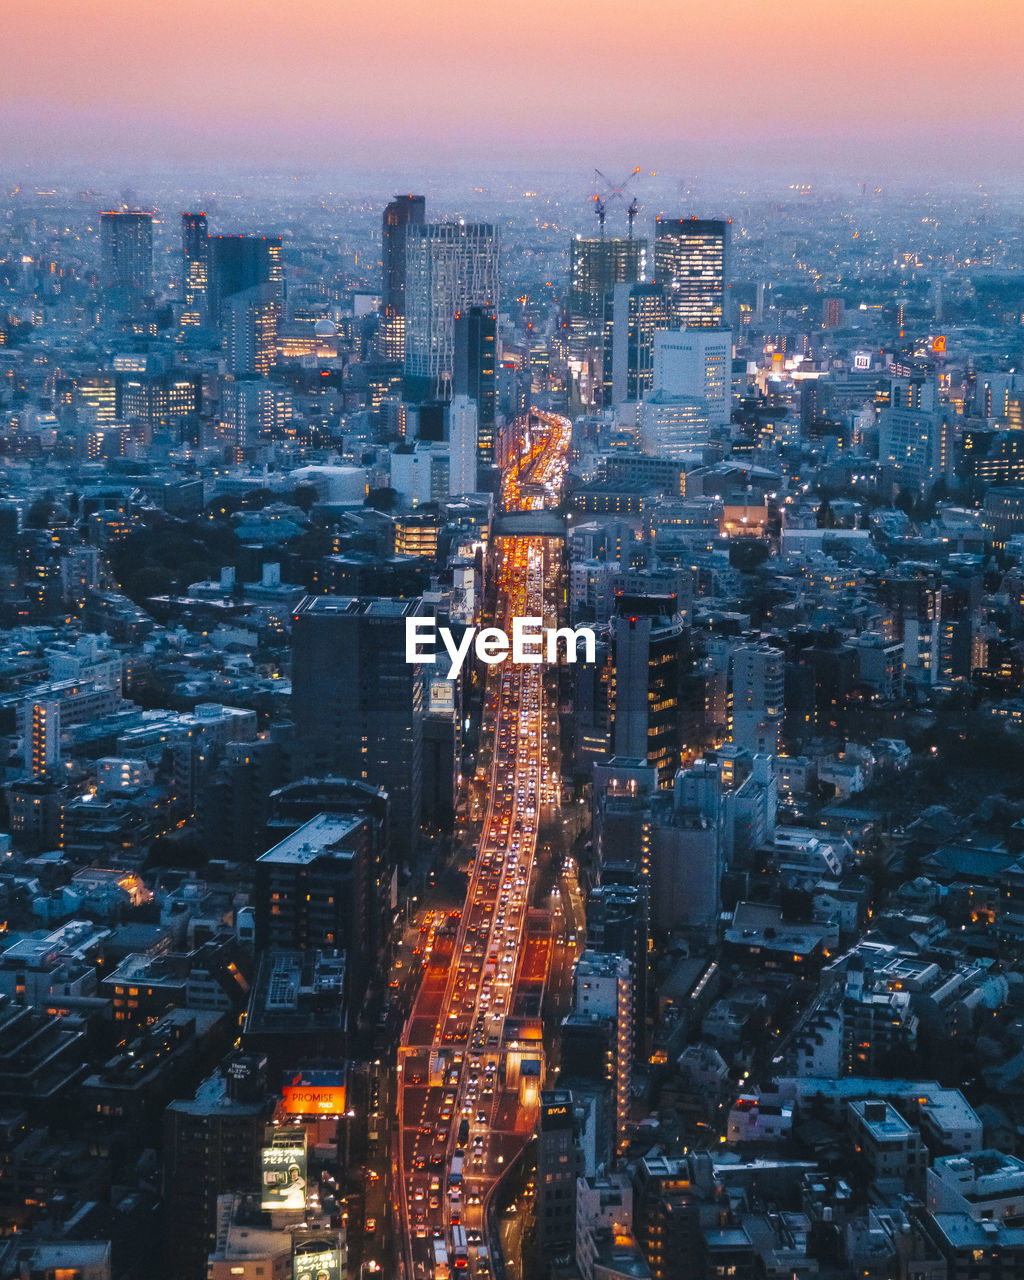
pixel 471 1059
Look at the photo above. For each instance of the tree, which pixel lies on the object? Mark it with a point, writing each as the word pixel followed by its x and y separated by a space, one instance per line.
pixel 747 554
pixel 381 499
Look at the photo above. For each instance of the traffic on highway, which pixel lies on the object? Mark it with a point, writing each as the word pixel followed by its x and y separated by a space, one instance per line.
pixel 470 1067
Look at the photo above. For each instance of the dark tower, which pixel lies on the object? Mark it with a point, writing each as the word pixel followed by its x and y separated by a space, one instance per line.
pixel 402 212
pixel 476 342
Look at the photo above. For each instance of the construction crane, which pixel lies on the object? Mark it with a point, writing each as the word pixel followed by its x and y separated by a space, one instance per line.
pixel 614 192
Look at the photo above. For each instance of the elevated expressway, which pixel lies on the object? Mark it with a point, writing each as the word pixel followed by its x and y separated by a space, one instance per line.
pixel 471 1050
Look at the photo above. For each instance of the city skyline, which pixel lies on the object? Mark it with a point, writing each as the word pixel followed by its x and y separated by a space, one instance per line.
pixel 678 86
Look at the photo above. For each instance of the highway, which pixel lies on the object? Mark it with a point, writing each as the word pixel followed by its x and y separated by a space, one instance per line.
pixel 471 1061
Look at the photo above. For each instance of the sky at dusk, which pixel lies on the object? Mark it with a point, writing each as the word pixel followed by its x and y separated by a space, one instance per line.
pixel 870 86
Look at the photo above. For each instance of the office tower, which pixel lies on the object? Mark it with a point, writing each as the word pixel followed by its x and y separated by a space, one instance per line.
pixel 559 1164
pixel 357 704
pixel 240 263
pixel 462 446
pixel 95 398
pixel 211 1145
pixel 603 992
pixel 758 697
pixel 651 659
pixel 617 924
pixel 632 314
pixel 402 212
pixel 695 363
pixel 476 348
pixel 915 438
pixel 157 399
pixel 674 427
pixel 596 266
pixel 449 267
pixel 317 889
pixel 126 261
pixel 689 261
pixel 195 253
pixel 254 407
pixel 249 321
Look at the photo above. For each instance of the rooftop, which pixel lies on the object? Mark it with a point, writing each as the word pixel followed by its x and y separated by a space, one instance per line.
pixel 313 839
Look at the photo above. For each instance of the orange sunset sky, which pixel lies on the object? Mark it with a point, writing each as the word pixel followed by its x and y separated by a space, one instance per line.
pixel 653 81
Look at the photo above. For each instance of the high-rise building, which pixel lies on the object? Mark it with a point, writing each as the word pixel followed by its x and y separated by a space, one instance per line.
pixel 476 349
pixel 211 1145
pixel 915 438
pixel 596 266
pixel 559 1164
pixel 317 888
pixel 195 253
pixel 633 313
pixel 240 263
pixel 758 698
pixel 358 705
pixel 651 659
pixel 617 923
pixel 126 261
pixel 401 213
pixel 603 990
pixel 249 321
pixel 695 362
pixel 673 427
pixel 449 267
pixel 689 262
pixel 462 445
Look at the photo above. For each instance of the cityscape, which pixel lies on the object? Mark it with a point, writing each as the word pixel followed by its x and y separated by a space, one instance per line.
pixel 512 646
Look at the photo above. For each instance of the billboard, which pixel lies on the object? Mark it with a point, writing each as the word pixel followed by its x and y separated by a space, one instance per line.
pixel 317 1259
pixel 862 359
pixel 314 1093
pixel 283 1172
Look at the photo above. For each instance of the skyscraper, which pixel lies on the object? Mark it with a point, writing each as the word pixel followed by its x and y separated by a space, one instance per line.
pixel 195 252
pixel 633 312
pixel 915 437
pixel 449 267
pixel 126 251
pixel 651 660
pixel 596 266
pixel 358 705
pixel 696 363
pixel 689 261
pixel 462 445
pixel 476 343
pixel 249 320
pixel 238 263
pixel 402 212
